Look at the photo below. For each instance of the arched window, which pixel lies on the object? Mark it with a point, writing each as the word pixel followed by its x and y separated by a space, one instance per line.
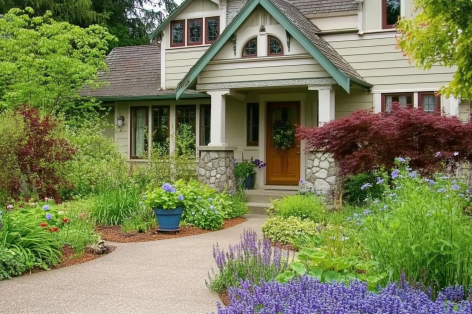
pixel 250 49
pixel 275 47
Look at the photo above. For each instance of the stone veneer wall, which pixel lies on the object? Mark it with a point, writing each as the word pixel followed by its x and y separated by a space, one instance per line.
pixel 321 172
pixel 216 168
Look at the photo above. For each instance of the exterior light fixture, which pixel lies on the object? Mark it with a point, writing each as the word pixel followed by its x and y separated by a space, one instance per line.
pixel 120 121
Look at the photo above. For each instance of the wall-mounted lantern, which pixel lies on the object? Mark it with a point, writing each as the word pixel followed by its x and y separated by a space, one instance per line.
pixel 120 121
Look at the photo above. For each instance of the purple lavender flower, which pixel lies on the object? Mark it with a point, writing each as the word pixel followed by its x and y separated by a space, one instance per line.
pixel 48 216
pixel 395 174
pixel 46 207
pixel 365 186
pixel 181 197
pixel 456 187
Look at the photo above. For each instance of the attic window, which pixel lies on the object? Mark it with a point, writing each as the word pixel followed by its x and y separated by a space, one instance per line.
pixel 391 11
pixel 250 49
pixel 178 33
pixel 212 29
pixel 195 32
pixel 275 47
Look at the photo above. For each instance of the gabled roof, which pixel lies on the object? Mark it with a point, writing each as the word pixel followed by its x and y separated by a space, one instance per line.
pixel 310 7
pixel 299 27
pixel 134 74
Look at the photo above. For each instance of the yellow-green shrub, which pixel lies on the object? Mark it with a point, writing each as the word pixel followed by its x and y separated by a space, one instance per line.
pixel 286 230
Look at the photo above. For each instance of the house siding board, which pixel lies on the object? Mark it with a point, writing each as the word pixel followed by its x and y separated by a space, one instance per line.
pixel 309 7
pixel 348 103
pixel 379 62
pixel 179 62
pixel 198 6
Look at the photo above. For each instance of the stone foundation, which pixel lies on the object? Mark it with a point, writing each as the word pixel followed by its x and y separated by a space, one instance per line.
pixel 321 172
pixel 216 167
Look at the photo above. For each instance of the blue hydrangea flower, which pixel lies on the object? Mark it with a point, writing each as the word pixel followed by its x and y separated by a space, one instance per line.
pixel 211 207
pixel 456 187
pixel 400 159
pixel 365 186
pixel 441 190
pixel 367 212
pixel 46 207
pixel 48 216
pixel 348 218
pixel 168 188
pixel 395 174
pixel 199 197
pixel 181 197
pixel 385 206
pixel 216 212
pixel 380 180
pixel 412 174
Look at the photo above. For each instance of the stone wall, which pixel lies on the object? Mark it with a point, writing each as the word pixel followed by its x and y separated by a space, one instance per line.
pixel 216 168
pixel 321 172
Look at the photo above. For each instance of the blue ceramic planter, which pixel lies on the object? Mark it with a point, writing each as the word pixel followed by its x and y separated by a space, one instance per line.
pixel 168 219
pixel 249 182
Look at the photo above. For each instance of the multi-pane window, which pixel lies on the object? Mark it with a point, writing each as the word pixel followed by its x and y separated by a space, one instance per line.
pixel 275 46
pixel 195 31
pixel 429 102
pixel 252 124
pixel 205 123
pixel 250 49
pixel 139 132
pixel 186 123
pixel 178 33
pixel 160 126
pixel 212 29
pixel 404 99
pixel 391 11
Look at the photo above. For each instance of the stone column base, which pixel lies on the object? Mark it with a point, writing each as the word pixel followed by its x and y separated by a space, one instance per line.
pixel 216 167
pixel 321 174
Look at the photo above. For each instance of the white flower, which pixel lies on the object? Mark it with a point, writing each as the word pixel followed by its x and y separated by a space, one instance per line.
pixel 60 212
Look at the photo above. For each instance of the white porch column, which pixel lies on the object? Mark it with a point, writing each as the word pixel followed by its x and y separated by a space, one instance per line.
pixel 453 106
pixel 218 118
pixel 326 105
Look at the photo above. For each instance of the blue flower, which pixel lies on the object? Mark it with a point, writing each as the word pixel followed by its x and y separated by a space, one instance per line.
pixel 385 206
pixel 395 173
pixel 181 197
pixel 412 174
pixel 400 159
pixel 348 218
pixel 365 186
pixel 1 213
pixel 302 181
pixel 144 197
pixel 367 212
pixel 168 188
pixel 46 207
pixel 210 199
pixel 456 187
pixel 216 212
pixel 199 197
pixel 380 180
pixel 48 216
pixel 438 154
pixel 211 207
pixel 441 190
pixel 393 195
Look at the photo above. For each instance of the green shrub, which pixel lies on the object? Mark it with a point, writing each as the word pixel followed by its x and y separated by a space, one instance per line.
pixel 11 264
pixel 419 230
pixel 141 220
pixel 301 206
pixel 354 194
pixel 286 230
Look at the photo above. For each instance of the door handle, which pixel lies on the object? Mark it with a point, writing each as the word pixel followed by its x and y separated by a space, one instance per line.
pixel 298 153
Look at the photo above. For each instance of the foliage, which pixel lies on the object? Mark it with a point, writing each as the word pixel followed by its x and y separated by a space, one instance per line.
pixel 355 194
pixel 440 34
pixel 301 206
pixel 364 142
pixel 165 197
pixel 246 168
pixel 11 264
pixel 319 264
pixel 252 260
pixel 419 230
pixel 236 207
pixel 283 135
pixel 45 63
pixel 203 214
pixel 286 230
pixel 141 220
pixel 308 295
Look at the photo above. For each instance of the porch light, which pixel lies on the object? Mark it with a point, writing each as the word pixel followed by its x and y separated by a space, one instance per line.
pixel 120 121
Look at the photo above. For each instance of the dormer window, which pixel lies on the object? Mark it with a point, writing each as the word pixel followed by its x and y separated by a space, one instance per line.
pixel 275 47
pixel 195 32
pixel 391 11
pixel 250 49
pixel 178 33
pixel 212 29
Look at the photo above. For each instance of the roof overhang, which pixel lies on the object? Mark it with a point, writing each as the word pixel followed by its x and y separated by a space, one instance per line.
pixel 151 97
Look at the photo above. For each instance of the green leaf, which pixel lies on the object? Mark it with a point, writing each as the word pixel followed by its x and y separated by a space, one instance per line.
pixel 330 276
pixel 316 272
pixel 299 268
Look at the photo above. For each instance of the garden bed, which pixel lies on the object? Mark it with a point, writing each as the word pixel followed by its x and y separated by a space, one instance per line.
pixel 114 233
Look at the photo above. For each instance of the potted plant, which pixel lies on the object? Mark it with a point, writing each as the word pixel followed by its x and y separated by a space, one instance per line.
pixel 167 202
pixel 245 172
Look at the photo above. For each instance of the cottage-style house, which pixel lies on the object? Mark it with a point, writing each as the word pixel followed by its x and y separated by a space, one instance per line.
pixel 235 70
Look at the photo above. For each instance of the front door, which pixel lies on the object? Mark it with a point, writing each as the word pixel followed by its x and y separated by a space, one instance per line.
pixel 283 155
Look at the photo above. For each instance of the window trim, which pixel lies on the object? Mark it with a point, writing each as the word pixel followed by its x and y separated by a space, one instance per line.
pixel 177 115
pixel 438 99
pixel 248 125
pixel 384 16
pixel 200 140
pixel 244 48
pixel 152 121
pixel 172 37
pixel 131 156
pixel 207 42
pixel 202 34
pixel 397 94
pixel 268 46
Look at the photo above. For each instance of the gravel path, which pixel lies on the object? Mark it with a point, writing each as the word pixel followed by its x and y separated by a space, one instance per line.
pixel 166 276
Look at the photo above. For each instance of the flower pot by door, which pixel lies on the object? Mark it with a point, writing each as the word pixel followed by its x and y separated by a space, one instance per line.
pixel 249 182
pixel 168 219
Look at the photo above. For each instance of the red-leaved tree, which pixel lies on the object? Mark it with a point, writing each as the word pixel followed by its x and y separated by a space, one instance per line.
pixel 41 156
pixel 365 141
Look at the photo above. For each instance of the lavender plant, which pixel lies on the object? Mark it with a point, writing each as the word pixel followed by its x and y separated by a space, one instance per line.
pixel 252 260
pixel 308 295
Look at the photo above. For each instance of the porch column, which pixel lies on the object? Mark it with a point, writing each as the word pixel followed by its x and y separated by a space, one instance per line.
pixel 325 103
pixel 218 118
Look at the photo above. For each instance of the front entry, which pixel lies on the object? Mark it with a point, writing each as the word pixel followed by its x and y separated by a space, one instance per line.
pixel 283 164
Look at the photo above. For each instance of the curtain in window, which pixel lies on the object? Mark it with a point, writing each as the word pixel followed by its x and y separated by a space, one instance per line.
pixel 139 139
pixel 388 103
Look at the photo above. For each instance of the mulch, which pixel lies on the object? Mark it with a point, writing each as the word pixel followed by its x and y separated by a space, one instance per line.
pixel 224 297
pixel 114 233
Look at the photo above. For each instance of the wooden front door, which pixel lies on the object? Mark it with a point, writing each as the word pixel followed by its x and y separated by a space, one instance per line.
pixel 283 165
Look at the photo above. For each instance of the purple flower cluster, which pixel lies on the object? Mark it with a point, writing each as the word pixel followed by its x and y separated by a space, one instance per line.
pixel 308 295
pixel 168 188
pixel 259 163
